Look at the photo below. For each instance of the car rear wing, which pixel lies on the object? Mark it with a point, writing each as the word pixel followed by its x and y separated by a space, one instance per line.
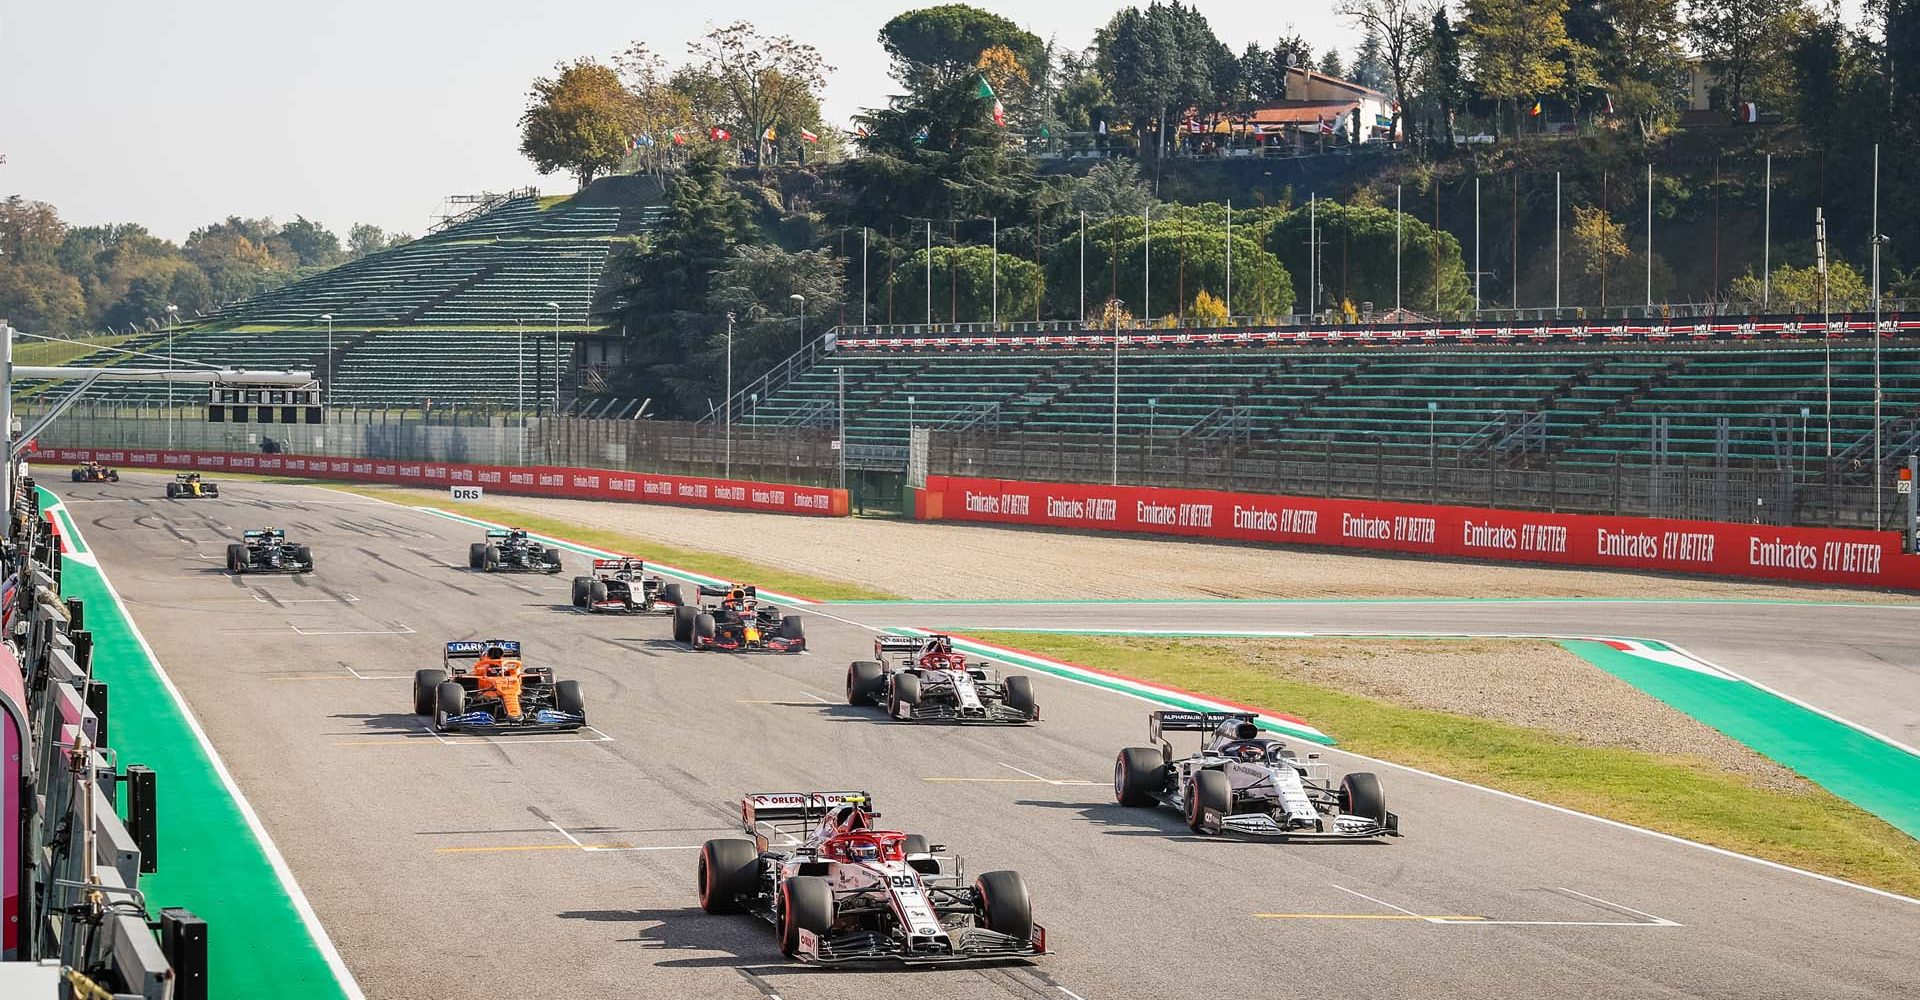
pixel 498 532
pixel 470 649
pixel 884 644
pixel 617 565
pixel 278 533
pixel 185 477
pixel 709 590
pixel 1191 722
pixel 802 808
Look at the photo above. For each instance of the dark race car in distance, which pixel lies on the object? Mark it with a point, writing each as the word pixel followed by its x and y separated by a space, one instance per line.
pixel 189 485
pixel 94 472
pixel 266 550
pixel 512 550
pixel 483 686
pixel 734 619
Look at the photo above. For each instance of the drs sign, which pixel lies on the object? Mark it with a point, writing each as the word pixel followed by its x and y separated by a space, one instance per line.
pixel 465 492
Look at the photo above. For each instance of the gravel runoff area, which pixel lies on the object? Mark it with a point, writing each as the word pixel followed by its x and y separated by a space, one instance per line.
pixel 931 560
pixel 1525 682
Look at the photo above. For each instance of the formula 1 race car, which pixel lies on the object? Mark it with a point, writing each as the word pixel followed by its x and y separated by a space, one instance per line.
pixel 733 619
pixel 511 550
pixel 932 683
pixel 1242 782
pixel 483 687
pixel 621 586
pixel 837 890
pixel 189 485
pixel 266 550
pixel 94 472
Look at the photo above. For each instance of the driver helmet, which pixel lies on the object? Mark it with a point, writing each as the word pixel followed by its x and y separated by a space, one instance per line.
pixel 861 850
pixel 495 653
pixel 940 644
pixel 1250 752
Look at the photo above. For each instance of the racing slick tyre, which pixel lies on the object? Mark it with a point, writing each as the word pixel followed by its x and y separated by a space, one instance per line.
pixel 426 690
pixel 792 628
pixel 683 624
pixel 476 555
pixel 449 700
pixel 236 558
pixel 903 690
pixel 671 595
pixel 806 903
pixel 596 592
pixel 580 585
pixel 1004 905
pixel 114 476
pixel 553 560
pixel 173 491
pixel 490 558
pixel 566 698
pixel 1360 795
pixel 209 490
pixel 729 869
pixel 703 627
pixel 302 555
pixel 1209 791
pixel 1020 697
pixel 77 475
pixel 1139 774
pixel 866 682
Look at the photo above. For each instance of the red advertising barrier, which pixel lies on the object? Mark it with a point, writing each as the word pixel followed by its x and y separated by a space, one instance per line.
pixel 544 481
pixel 1801 555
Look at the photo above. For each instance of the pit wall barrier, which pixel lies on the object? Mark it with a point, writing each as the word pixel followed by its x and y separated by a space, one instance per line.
pixel 1799 555
pixel 542 481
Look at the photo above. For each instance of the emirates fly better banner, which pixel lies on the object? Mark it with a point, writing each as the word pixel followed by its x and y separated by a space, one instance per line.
pixel 1808 555
pixel 548 481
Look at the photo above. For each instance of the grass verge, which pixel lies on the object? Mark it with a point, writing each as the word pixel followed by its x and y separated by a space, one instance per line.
pixel 1684 796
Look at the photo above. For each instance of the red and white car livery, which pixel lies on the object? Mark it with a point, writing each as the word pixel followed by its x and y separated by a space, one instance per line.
pixel 923 679
pixel 621 586
pixel 839 890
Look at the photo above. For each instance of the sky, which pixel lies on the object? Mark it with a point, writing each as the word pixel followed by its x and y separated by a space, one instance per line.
pixel 179 114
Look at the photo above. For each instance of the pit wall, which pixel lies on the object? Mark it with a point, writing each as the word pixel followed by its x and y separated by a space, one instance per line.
pixel 1711 548
pixel 542 481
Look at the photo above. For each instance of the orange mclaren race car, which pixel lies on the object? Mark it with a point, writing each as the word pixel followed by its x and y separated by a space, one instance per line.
pixel 484 687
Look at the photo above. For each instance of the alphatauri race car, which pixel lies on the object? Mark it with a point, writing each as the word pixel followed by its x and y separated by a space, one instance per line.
pixel 511 550
pixel 189 486
pixel 94 472
pixel 932 683
pixel 733 619
pixel 1242 782
pixel 266 550
pixel 484 687
pixel 621 586
pixel 838 890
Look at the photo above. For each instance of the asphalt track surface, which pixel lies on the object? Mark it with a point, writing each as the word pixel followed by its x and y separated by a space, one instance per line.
pixel 563 866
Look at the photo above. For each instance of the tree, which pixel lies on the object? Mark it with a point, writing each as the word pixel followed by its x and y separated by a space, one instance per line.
pixel 1399 29
pixel 29 230
pixel 1446 80
pixel 940 158
pixel 933 47
pixel 1369 67
pixel 760 75
pixel 1162 59
pixel 963 283
pixel 1357 256
pixel 365 238
pixel 1189 255
pixel 756 285
pixel 1642 58
pixel 38 297
pixel 1112 188
pixel 1519 48
pixel 1083 99
pixel 1330 64
pixel 1797 289
pixel 580 120
pixel 1744 44
pixel 313 244
pixel 1598 241
pixel 659 108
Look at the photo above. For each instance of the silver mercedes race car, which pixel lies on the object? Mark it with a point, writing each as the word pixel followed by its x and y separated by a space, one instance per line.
pixel 839 890
pixel 1244 782
pixel 922 679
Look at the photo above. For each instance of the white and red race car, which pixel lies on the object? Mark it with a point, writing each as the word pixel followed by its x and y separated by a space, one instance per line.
pixel 922 679
pixel 848 892
pixel 621 586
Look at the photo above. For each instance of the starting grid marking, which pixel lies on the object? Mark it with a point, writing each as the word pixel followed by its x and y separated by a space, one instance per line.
pixel 1026 778
pixel 573 844
pixel 1401 913
pixel 427 736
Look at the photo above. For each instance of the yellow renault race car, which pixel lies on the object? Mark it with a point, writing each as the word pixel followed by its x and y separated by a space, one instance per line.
pixel 188 485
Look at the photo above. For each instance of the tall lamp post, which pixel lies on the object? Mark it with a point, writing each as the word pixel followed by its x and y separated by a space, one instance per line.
pixel 800 302
pixel 172 311
pixel 555 306
pixel 329 318
pixel 727 417
pixel 520 399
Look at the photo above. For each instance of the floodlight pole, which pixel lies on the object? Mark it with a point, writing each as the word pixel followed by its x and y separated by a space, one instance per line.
pixel 1116 392
pixel 1766 243
pixel 995 315
pixel 1146 282
pixel 329 318
pixel 727 417
pixel 1083 267
pixel 172 311
pixel 556 357
pixel 863 292
pixel 1877 240
pixel 520 400
pixel 1399 244
pixel 1556 244
pixel 1229 302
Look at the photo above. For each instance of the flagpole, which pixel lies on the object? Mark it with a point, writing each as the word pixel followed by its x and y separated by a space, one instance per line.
pixel 1229 260
pixel 1398 245
pixel 1313 255
pixel 929 272
pixel 863 276
pixel 1083 267
pixel 1876 335
pixel 1649 240
pixel 996 272
pixel 1476 248
pixel 1766 244
pixel 1146 287
pixel 1556 244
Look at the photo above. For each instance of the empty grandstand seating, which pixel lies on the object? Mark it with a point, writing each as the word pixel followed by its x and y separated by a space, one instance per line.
pixel 1585 405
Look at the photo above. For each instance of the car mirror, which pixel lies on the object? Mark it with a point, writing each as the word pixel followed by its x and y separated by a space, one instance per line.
pixel 936 848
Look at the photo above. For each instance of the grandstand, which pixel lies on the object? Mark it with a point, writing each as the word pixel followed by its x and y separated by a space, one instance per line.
pixel 411 323
pixel 1584 405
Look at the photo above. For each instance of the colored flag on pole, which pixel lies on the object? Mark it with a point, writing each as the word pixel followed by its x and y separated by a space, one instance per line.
pixel 999 114
pixel 718 134
pixel 1535 110
pixel 1044 134
pixel 984 91
pixel 769 136
pixel 922 135
pixel 860 132
pixel 1609 103
pixel 808 136
pixel 646 139
pixel 1326 127
pixel 1103 126
pixel 679 140
pixel 1749 112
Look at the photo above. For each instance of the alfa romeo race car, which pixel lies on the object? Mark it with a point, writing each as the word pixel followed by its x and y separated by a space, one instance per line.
pixel 511 550
pixel 189 485
pixel 732 618
pixel 621 586
pixel 94 472
pixel 838 890
pixel 932 683
pixel 1243 782
pixel 484 687
pixel 266 550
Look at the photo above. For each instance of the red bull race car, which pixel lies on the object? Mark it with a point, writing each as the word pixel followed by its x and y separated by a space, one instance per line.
pixel 734 619
pixel 94 472
pixel 839 890
pixel 483 686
